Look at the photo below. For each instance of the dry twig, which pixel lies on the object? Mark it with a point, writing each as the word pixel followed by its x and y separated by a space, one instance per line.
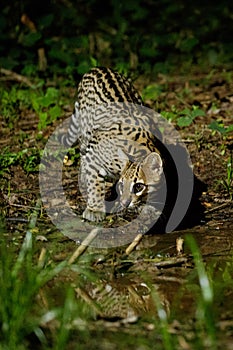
pixel 10 75
pixel 79 251
pixel 133 245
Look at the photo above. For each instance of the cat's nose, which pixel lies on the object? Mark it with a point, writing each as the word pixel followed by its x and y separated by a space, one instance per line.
pixel 125 202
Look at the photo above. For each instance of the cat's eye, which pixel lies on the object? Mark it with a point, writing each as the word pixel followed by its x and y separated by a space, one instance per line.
pixel 138 187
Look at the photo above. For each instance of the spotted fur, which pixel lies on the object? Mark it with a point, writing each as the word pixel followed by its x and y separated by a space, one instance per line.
pixel 116 139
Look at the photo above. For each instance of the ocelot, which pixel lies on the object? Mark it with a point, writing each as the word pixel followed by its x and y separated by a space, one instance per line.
pixel 117 138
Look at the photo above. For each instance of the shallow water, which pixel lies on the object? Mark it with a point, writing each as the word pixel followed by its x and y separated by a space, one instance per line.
pixel 124 291
pixel 129 287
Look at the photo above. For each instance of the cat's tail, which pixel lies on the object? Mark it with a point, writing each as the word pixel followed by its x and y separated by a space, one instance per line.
pixel 69 138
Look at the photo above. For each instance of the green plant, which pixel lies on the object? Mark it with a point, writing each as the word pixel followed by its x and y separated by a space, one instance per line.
pixel 121 31
pixel 228 182
pixel 151 92
pixel 205 302
pixel 22 277
pixel 47 106
pixel 13 101
pixel 73 156
pixel 170 115
pixel 29 159
pixel 20 281
pixel 163 323
pixel 218 126
pixel 187 116
pixel 184 117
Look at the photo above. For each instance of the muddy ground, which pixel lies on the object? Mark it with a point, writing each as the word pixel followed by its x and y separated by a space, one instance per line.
pixel 210 152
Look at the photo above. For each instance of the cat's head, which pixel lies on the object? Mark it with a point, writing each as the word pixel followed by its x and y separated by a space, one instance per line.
pixel 139 179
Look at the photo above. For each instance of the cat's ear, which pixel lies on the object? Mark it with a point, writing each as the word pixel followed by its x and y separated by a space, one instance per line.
pixel 122 155
pixel 152 166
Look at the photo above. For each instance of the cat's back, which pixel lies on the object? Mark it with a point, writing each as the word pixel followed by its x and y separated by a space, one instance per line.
pixel 102 85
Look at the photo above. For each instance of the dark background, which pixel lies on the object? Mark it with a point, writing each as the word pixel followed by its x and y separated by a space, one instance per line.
pixel 147 36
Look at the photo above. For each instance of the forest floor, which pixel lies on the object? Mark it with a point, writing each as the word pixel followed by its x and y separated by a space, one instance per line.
pixel 156 270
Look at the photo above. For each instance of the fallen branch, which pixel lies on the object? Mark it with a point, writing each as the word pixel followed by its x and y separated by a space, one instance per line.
pixel 134 244
pixel 10 75
pixel 221 206
pixel 81 249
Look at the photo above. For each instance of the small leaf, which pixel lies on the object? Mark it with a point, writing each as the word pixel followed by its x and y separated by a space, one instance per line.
pixel 43 117
pixel 55 112
pixel 198 113
pixel 229 128
pixel 186 112
pixel 169 115
pixel 216 126
pixel 31 38
pixel 52 93
pixel 151 92
pixel 83 67
pixel 184 121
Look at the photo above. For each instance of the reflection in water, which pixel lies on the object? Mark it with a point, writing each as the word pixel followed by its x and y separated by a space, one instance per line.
pixel 115 289
pixel 122 298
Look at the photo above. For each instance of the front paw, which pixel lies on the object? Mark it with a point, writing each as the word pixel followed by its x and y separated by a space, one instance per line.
pixel 92 215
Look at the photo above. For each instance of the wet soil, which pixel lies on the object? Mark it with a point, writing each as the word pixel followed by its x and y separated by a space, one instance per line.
pixel 155 264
